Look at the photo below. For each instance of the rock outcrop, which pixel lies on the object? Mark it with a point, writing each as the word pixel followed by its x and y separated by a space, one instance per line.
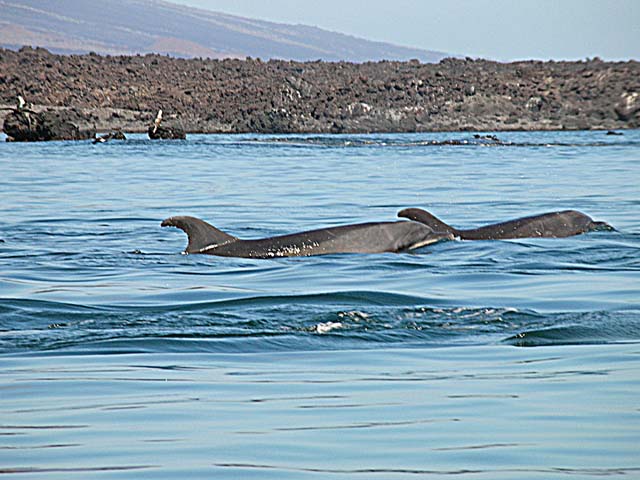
pixel 281 96
pixel 29 126
pixel 107 137
pixel 167 133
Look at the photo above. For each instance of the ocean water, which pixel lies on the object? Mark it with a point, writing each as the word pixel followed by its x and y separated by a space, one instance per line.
pixel 120 357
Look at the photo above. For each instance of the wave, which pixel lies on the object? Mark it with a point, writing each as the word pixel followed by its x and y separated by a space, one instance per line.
pixel 581 329
pixel 475 140
pixel 341 320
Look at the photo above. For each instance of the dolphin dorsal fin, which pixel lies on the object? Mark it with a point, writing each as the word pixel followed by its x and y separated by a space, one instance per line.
pixel 201 234
pixel 422 216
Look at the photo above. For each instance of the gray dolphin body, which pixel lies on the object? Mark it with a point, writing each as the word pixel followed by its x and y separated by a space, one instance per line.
pixel 547 225
pixel 358 238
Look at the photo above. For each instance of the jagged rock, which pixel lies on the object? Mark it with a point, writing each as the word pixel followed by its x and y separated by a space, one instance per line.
pixel 29 126
pixel 275 121
pixel 115 135
pixel 167 133
pixel 534 104
pixel 358 109
pixel 235 95
pixel 22 127
pixel 628 106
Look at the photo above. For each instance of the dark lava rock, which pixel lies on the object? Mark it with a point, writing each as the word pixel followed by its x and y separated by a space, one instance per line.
pixel 278 96
pixel 29 126
pixel 116 135
pixel 167 133
pixel 628 106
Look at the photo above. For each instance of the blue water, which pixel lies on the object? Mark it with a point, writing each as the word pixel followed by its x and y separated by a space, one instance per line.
pixel 123 358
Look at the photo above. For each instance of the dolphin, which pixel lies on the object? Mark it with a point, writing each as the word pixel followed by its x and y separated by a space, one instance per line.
pixel 547 225
pixel 377 237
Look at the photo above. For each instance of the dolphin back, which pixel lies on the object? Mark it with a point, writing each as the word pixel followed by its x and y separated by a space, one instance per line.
pixel 357 238
pixel 376 237
pixel 547 225
pixel 201 235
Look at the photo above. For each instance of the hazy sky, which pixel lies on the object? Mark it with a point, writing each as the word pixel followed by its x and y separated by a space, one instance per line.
pixel 498 29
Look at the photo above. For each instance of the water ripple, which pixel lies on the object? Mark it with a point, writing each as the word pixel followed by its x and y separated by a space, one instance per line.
pixel 319 321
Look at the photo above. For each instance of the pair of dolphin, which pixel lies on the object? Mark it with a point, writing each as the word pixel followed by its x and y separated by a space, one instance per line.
pixel 422 228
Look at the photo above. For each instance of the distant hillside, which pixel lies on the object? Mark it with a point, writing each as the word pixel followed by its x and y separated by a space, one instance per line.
pixel 144 26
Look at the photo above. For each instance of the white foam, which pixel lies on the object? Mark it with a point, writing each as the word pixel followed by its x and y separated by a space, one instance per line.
pixel 327 327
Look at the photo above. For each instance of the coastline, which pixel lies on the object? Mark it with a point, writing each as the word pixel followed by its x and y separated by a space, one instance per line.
pixel 277 96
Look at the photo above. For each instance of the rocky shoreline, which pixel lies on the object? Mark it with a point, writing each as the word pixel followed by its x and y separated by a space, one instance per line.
pixel 104 93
